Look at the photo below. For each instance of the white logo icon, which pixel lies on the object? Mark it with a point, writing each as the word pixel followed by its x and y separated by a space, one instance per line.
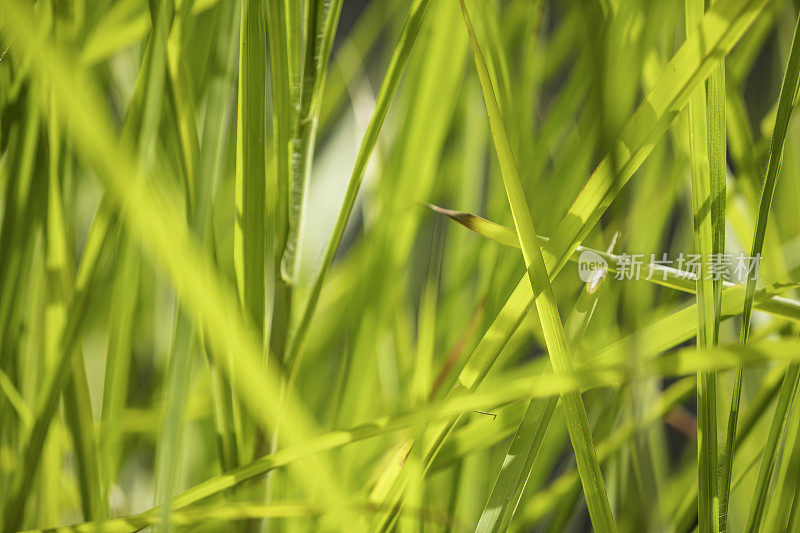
pixel 591 267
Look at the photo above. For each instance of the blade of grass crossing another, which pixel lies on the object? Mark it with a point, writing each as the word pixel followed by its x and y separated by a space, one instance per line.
pixel 686 70
pixel 786 99
pixel 555 336
pixel 522 453
pixel 719 31
pixel 318 53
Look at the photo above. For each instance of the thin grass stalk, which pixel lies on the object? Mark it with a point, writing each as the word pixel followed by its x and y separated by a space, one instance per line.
pixel 77 404
pixel 250 239
pixel 58 376
pixel 786 99
pixel 118 362
pixel 218 113
pixel 304 134
pixel 250 230
pixel 318 53
pixel 708 500
pixel 391 81
pixel 786 395
pixel 281 33
pixel 555 336
pixel 521 456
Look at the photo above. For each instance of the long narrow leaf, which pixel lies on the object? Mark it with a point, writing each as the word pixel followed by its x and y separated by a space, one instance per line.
pixel 555 336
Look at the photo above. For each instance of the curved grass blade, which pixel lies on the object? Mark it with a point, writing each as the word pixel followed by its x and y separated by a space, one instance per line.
pixel 785 105
pixel 485 228
pixel 555 335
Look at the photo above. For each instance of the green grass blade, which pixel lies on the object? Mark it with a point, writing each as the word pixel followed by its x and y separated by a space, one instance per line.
pixel 755 514
pixel 785 105
pixel 713 38
pixel 391 80
pixel 779 509
pixel 555 336
pixel 77 405
pixel 18 200
pixel 717 165
pixel 58 376
pixel 284 78
pixel 521 455
pixel 320 32
pixel 150 212
pixel 222 84
pixel 708 501
pixel 118 359
pixel 250 248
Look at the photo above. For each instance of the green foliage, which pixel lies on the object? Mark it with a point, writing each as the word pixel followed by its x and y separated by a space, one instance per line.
pixel 233 295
